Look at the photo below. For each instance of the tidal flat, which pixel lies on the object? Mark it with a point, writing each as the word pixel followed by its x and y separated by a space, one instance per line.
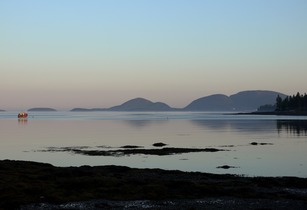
pixel 33 185
pixel 128 150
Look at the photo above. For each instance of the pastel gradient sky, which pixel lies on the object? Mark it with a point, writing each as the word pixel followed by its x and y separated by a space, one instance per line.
pixel 98 53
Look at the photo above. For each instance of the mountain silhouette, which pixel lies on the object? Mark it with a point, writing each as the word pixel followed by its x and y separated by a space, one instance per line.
pixel 216 102
pixel 253 99
pixel 242 101
pixel 141 104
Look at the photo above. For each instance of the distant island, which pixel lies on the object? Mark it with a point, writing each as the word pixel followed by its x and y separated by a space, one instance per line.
pixel 1 110
pixel 242 101
pixel 87 110
pixel 42 109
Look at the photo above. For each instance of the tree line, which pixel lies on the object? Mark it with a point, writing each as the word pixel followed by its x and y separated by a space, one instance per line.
pixel 295 103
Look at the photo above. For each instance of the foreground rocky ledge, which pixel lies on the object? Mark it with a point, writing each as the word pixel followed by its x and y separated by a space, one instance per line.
pixel 31 185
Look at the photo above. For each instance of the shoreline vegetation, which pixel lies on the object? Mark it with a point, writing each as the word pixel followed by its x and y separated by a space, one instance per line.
pixel 33 185
pixel 295 105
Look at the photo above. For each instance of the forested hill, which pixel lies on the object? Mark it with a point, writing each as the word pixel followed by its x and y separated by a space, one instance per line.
pixel 295 103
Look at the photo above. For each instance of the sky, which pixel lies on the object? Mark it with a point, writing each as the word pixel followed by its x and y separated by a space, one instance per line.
pixel 100 53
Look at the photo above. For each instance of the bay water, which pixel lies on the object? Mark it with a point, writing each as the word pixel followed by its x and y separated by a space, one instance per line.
pixel 253 145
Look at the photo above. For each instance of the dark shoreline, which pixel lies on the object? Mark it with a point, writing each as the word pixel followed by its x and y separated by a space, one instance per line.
pixel 288 113
pixel 24 183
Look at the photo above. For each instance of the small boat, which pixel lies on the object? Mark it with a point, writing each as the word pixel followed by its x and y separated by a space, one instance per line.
pixel 22 115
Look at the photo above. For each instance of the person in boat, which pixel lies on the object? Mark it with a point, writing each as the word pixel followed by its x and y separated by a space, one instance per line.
pixel 23 115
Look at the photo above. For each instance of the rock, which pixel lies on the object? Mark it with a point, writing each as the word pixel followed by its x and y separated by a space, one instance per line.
pixel 226 167
pixel 160 144
pixel 130 147
pixel 255 143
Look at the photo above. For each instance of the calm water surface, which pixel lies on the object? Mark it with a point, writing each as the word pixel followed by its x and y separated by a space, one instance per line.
pixel 283 152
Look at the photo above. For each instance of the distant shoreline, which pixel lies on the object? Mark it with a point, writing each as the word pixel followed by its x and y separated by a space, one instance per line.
pixel 243 100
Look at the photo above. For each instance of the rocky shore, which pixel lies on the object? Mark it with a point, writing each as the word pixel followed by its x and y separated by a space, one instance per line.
pixel 31 185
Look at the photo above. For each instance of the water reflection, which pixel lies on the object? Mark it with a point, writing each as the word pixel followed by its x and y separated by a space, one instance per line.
pixel 253 126
pixel 138 123
pixel 212 124
pixel 22 121
pixel 296 127
pixel 143 123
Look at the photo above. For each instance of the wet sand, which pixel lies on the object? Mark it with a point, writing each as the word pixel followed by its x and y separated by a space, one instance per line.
pixel 31 185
